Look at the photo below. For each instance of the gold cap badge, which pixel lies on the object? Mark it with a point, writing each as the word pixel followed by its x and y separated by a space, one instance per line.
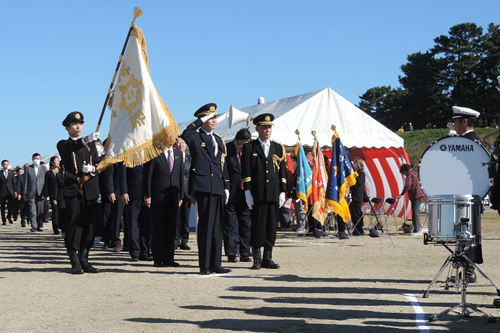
pixel 77 116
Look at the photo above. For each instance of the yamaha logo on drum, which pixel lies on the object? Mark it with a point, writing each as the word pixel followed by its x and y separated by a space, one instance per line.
pixel 456 147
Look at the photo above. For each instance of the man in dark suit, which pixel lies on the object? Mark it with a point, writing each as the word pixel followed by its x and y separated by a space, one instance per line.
pixel 21 200
pixel 182 232
pixel 236 214
pixel 465 120
pixel 8 191
pixel 34 192
pixel 112 225
pixel 137 215
pixel 209 186
pixel 81 190
pixel 162 190
pixel 264 181
pixel 106 206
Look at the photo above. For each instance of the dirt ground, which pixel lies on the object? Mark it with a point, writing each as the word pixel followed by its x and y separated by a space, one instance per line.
pixel 361 285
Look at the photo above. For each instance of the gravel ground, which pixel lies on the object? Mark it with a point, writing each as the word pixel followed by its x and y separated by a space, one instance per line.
pixel 361 285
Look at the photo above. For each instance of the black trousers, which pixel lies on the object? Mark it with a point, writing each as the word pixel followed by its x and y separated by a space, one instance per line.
pixel 356 215
pixel 137 220
pixel 105 221
pixel 54 215
pixel 23 209
pixel 265 218
pixel 182 233
pixel 7 202
pixel 114 226
pixel 163 225
pixel 209 232
pixel 237 224
pixel 80 223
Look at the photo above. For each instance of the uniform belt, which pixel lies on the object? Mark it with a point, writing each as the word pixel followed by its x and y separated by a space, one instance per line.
pixel 80 180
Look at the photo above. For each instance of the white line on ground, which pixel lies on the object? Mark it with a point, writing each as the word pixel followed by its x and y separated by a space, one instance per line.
pixel 419 313
pixel 312 243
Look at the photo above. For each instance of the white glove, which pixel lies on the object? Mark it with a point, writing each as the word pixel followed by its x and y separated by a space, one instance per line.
pixel 93 136
pixel 86 168
pixel 281 199
pixel 208 116
pixel 249 199
pixel 227 196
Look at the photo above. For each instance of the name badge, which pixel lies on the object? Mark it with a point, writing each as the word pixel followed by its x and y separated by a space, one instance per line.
pixel 203 145
pixel 254 154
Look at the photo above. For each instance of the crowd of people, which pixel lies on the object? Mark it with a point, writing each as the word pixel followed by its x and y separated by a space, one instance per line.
pixel 239 190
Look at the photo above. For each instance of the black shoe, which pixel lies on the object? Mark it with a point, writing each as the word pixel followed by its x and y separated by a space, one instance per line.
pixel 134 259
pixel 245 259
pixel 340 235
pixel 56 232
pixel 33 230
pixel 88 268
pixel 232 259
pixel 269 264
pixel 157 264
pixel 374 233
pixel 10 221
pixel 471 277
pixel 220 270
pixel 204 271
pixel 4 223
pixel 146 258
pixel 76 267
pixel 171 264
pixel 39 229
pixel 184 247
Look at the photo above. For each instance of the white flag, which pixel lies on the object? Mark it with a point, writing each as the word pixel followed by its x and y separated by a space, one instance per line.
pixel 141 125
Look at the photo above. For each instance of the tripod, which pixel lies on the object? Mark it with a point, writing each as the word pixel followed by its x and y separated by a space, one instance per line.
pixel 458 260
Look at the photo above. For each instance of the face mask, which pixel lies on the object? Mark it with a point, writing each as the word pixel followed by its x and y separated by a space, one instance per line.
pixel 100 149
pixel 36 162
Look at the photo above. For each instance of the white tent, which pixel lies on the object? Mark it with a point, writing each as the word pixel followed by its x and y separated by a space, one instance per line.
pixel 314 111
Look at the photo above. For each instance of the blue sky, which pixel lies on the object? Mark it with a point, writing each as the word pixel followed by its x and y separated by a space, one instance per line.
pixel 60 56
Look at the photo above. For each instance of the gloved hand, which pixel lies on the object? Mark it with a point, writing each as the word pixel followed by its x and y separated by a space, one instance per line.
pixel 227 196
pixel 205 118
pixel 249 198
pixel 92 136
pixel 86 168
pixel 281 199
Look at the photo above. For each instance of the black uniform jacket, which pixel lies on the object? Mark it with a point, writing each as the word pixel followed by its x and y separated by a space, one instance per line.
pixel 265 177
pixel 207 171
pixel 73 153
pixel 159 183
pixel 234 171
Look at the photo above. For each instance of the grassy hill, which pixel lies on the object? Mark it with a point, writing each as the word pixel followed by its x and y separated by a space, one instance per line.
pixel 416 142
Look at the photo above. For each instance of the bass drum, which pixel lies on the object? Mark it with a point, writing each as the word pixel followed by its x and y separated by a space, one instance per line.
pixel 454 166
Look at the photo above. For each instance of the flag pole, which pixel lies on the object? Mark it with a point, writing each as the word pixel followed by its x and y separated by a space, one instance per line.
pixel 137 13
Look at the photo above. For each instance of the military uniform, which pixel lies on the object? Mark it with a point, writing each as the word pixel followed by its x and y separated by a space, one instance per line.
pixel 81 191
pixel 265 178
pixel 208 182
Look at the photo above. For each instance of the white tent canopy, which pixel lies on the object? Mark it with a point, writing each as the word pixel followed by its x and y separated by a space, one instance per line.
pixel 314 111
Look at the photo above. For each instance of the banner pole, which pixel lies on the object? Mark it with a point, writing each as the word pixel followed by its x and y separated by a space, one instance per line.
pixel 137 13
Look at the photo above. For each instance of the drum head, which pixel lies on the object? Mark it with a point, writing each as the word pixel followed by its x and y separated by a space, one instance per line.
pixel 454 166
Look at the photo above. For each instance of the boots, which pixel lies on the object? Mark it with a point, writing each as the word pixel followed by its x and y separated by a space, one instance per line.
pixel 267 261
pixel 84 257
pixel 257 259
pixel 76 268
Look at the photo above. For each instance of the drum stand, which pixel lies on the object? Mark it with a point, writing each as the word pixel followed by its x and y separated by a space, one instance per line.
pixel 458 260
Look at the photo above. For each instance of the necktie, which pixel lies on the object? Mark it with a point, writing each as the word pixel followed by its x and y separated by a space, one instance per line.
pixel 212 139
pixel 6 173
pixel 239 160
pixel 266 149
pixel 170 160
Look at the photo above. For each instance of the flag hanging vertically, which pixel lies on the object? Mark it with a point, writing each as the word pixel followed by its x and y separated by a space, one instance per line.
pixel 141 125
pixel 304 175
pixel 340 178
pixel 319 184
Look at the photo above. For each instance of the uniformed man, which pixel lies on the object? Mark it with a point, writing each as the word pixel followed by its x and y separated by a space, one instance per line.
pixel 465 120
pixel 81 190
pixel 208 186
pixel 264 182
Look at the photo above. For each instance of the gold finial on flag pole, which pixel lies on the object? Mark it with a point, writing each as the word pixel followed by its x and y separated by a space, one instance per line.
pixel 334 128
pixel 314 134
pixel 137 12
